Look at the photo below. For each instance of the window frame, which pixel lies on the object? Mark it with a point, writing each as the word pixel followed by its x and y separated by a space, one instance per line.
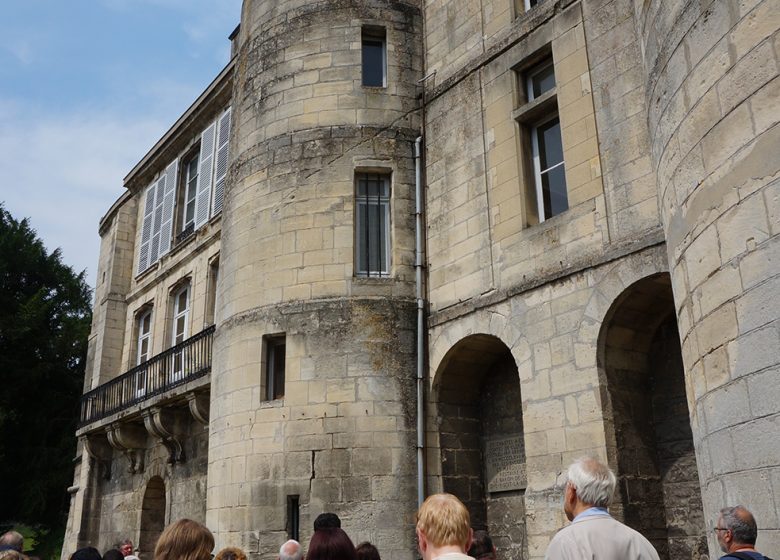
pixel 373 34
pixel 361 243
pixel 178 358
pixel 535 111
pixel 186 227
pixel 142 336
pixel 272 374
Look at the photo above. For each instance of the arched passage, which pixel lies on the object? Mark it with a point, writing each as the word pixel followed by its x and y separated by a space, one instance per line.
pixel 480 421
pixel 647 410
pixel 152 516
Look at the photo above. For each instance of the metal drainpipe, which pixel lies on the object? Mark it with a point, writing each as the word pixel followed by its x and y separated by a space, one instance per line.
pixel 418 265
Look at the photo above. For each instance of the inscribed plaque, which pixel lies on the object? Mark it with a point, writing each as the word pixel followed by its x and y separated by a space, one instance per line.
pixel 505 464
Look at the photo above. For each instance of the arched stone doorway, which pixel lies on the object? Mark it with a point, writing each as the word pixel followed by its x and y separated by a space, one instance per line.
pixel 647 415
pixel 480 424
pixel 152 516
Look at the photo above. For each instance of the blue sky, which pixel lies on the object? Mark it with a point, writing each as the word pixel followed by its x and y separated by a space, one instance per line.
pixel 86 88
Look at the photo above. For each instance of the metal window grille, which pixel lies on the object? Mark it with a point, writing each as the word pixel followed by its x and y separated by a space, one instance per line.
pixel 372 222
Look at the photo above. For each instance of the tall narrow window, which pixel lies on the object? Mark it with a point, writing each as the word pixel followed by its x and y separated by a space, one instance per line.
pixel 189 193
pixel 539 116
pixel 374 42
pixel 144 328
pixel 372 224
pixel 143 350
pixel 275 349
pixel 293 517
pixel 181 311
pixel 211 293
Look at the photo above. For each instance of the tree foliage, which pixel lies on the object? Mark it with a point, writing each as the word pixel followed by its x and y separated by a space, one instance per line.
pixel 44 325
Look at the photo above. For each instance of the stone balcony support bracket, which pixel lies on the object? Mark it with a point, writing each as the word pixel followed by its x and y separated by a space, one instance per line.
pixel 199 407
pixel 160 423
pixel 98 449
pixel 131 440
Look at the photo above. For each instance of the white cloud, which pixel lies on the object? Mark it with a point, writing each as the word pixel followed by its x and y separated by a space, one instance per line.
pixel 64 173
pixel 22 51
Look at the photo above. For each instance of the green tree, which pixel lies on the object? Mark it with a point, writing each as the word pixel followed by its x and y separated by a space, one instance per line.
pixel 44 324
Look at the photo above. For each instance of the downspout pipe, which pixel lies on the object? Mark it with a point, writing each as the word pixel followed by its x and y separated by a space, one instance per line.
pixel 418 266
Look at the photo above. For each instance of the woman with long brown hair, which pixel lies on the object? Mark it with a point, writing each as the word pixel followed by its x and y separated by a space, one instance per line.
pixel 184 540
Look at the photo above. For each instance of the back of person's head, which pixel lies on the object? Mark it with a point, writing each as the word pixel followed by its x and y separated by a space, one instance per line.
pixel 593 480
pixel 184 539
pixel 113 554
pixel 482 547
pixel 741 523
pixel 11 554
pixel 230 553
pixel 87 553
pixel 444 520
pixel 12 540
pixel 367 551
pixel 327 520
pixel 291 550
pixel 331 544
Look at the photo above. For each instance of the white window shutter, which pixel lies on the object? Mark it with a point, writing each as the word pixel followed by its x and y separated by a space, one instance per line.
pixel 220 173
pixel 166 229
pixel 205 175
pixel 154 250
pixel 146 229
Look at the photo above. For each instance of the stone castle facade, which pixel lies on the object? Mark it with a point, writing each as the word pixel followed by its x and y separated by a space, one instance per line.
pixel 283 326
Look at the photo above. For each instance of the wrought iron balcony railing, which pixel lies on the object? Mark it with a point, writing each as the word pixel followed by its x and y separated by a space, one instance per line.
pixel 176 366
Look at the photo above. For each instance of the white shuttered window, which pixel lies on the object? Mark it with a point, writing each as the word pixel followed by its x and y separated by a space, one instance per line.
pixel 205 176
pixel 146 228
pixel 160 200
pixel 220 172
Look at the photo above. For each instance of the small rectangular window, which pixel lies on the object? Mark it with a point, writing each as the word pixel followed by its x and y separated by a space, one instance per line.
pixel 293 517
pixel 372 224
pixel 374 44
pixel 275 349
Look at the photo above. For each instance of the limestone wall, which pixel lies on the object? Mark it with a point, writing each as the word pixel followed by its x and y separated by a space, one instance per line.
pixel 712 110
pixel 342 436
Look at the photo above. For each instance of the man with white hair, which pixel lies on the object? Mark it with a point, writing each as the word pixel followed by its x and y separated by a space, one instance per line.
pixel 291 550
pixel 593 533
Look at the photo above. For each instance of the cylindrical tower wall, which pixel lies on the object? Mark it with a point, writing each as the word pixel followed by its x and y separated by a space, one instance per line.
pixel 713 110
pixel 308 137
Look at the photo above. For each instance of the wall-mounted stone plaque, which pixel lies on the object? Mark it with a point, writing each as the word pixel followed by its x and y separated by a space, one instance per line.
pixel 505 464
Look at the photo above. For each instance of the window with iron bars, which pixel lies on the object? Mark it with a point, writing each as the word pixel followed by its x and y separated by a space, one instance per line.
pixel 372 225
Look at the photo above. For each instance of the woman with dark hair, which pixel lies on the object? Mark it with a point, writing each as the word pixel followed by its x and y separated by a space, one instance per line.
pixel 184 540
pixel 331 544
pixel 367 551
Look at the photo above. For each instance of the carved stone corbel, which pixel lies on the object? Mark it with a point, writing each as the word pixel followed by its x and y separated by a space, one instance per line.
pixel 160 423
pixel 131 440
pixel 199 407
pixel 98 449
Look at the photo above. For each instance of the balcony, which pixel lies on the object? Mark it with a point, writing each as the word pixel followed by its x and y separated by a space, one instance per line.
pixel 185 362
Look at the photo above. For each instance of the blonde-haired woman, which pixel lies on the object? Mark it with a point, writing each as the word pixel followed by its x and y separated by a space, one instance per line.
pixel 184 540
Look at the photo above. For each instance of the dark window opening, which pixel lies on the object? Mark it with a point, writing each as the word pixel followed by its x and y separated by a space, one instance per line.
pixel 374 57
pixel 293 517
pixel 275 348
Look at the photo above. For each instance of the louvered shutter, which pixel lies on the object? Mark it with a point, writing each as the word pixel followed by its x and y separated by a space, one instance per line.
pixel 166 229
pixel 154 250
pixel 220 174
pixel 146 229
pixel 205 175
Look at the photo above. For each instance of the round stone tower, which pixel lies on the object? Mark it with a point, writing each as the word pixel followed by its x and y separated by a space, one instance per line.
pixel 313 392
pixel 713 110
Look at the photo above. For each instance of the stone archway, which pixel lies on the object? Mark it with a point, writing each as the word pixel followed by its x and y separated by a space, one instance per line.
pixel 152 516
pixel 647 417
pixel 480 425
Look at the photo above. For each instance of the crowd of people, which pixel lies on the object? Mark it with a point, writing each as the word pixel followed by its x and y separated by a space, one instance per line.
pixel 444 532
